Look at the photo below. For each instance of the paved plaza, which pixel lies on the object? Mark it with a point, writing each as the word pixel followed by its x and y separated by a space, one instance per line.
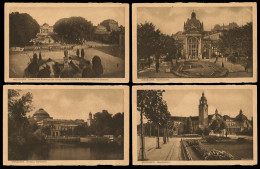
pixel 234 70
pixel 167 152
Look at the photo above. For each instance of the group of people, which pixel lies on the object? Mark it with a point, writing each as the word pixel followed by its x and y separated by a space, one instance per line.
pixel 82 53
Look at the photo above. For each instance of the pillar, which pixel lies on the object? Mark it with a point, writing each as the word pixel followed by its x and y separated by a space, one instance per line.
pixel 186 48
pixel 199 50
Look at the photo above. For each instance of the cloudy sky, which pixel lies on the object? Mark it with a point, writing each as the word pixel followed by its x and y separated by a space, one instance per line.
pixel 228 101
pixel 171 19
pixel 77 103
pixel 52 14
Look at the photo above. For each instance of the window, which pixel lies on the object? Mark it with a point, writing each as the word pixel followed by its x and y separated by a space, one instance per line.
pixel 193 45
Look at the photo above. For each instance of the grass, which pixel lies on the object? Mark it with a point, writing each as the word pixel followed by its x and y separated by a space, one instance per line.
pixel 239 151
pixel 111 50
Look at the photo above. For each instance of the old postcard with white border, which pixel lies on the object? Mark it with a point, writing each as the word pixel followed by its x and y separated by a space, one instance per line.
pixel 66 42
pixel 194 125
pixel 194 42
pixel 65 125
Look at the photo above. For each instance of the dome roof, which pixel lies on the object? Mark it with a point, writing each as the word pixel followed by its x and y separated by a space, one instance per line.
pixel 41 111
pixel 193 24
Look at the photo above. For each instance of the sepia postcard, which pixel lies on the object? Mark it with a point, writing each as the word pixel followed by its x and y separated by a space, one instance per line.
pixel 65 125
pixel 194 42
pixel 66 42
pixel 194 125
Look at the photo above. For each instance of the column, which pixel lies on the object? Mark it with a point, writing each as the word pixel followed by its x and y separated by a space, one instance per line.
pixel 199 52
pixel 186 47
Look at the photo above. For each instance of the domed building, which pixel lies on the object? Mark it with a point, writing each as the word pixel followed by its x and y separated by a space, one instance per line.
pixel 193 30
pixel 196 42
pixel 41 114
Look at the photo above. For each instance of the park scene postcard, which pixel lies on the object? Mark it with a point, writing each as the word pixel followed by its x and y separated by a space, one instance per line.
pixel 66 42
pixel 194 125
pixel 194 42
pixel 65 125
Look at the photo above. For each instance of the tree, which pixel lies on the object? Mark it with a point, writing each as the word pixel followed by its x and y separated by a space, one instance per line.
pixel 214 126
pixel 147 39
pixel 237 40
pixel 102 123
pixel 20 134
pixel 22 28
pixel 169 47
pixel 81 130
pixel 118 124
pixel 74 29
pixel 151 104
pixel 46 130
pixel 188 129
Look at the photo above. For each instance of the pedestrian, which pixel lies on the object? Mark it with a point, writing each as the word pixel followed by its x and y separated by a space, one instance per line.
pixel 65 53
pixel 78 53
pixel 40 56
pixel 246 67
pixel 82 53
pixel 226 133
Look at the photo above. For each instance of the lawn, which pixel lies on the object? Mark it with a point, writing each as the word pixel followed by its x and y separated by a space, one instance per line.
pixel 111 50
pixel 238 150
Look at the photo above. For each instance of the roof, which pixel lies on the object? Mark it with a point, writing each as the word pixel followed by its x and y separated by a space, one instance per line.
pixel 177 118
pixel 41 111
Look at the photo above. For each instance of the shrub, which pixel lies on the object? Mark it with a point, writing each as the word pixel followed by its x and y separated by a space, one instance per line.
pixel 218 155
pixel 208 154
pixel 193 142
pixel 211 139
pixel 206 131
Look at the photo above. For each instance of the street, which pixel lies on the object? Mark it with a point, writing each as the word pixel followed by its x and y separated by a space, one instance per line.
pixel 170 151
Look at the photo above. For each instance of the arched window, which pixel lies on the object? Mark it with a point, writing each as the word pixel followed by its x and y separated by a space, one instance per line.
pixel 193 45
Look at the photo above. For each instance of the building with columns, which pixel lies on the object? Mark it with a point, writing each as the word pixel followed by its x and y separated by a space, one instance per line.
pixel 196 42
pixel 193 32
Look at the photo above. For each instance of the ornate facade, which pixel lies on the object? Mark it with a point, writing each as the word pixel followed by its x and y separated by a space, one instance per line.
pixel 233 125
pixel 195 41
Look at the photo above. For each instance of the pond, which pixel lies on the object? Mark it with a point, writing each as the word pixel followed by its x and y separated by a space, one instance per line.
pixel 76 151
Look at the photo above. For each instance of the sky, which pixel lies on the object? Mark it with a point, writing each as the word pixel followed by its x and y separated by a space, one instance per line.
pixel 52 14
pixel 228 101
pixel 171 19
pixel 76 103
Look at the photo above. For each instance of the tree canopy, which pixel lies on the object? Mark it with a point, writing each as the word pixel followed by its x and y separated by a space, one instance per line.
pixel 22 28
pixel 74 29
pixel 151 41
pixel 151 103
pixel 106 124
pixel 238 40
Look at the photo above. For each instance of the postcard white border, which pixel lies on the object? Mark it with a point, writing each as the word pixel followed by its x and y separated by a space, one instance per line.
pixel 192 80
pixel 66 80
pixel 65 162
pixel 199 162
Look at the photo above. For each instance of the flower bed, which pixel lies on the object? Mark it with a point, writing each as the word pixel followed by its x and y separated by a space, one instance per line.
pixel 208 154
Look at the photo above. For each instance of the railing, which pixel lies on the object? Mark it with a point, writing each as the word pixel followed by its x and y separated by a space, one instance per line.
pixel 185 152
